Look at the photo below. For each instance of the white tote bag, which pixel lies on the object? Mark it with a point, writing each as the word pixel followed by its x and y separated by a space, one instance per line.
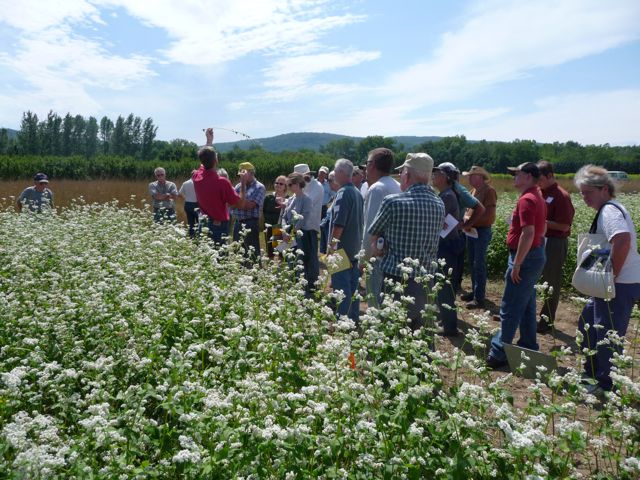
pixel 594 271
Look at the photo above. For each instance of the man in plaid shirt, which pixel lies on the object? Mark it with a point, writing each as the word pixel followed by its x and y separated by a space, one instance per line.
pixel 410 223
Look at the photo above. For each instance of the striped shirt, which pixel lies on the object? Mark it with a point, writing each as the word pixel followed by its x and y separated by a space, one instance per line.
pixel 255 193
pixel 410 223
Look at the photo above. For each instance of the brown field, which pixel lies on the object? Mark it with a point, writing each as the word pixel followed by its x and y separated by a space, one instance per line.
pixel 135 191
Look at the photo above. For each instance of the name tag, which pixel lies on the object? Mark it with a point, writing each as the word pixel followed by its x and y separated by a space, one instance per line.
pixel 549 199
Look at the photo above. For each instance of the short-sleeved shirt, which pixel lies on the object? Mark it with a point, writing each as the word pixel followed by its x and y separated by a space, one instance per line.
pixel 328 193
pixel 530 210
pixel 372 201
pixel 489 198
pixel 255 192
pixel 214 193
pixel 348 214
pixel 188 191
pixel 451 207
pixel 559 209
pixel 465 199
pixel 163 188
pixel 410 223
pixel 611 222
pixel 34 199
pixel 315 191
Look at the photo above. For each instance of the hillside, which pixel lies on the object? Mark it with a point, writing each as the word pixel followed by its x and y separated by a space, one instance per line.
pixel 306 140
pixel 10 132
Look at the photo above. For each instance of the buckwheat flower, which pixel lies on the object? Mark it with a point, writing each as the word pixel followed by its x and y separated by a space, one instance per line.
pixel 631 465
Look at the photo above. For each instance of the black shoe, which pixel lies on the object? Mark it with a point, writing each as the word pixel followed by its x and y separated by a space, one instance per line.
pixel 543 327
pixel 494 363
pixel 465 297
pixel 473 304
pixel 496 318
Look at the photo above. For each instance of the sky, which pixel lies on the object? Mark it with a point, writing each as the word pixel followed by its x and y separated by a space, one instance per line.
pixel 545 70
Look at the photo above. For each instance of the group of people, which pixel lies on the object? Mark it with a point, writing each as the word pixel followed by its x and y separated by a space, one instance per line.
pixel 414 232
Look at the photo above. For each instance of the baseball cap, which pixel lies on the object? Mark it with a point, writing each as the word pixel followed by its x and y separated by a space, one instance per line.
pixel 526 167
pixel 421 162
pixel 449 169
pixel 324 169
pixel 246 166
pixel 40 177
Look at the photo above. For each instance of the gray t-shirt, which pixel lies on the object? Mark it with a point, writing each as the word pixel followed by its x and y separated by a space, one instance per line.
pixel 165 188
pixel 348 214
pixel 34 199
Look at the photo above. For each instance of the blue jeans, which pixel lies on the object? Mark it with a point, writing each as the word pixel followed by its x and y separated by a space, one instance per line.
pixel 217 230
pixel 191 211
pixel 477 251
pixel 374 283
pixel 309 245
pixel 612 315
pixel 518 307
pixel 252 238
pixel 161 215
pixel 347 281
pixel 449 249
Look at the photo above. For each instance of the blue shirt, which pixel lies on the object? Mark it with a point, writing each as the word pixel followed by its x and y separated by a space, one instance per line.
pixel 348 214
pixel 255 193
pixel 410 223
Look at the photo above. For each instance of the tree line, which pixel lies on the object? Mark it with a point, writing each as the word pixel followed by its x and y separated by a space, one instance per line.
pixel 127 147
pixel 497 156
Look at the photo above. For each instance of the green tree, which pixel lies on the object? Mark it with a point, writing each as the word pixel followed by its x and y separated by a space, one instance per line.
pixel 91 138
pixel 4 141
pixel 78 146
pixel 369 143
pixel 28 141
pixel 106 128
pixel 341 148
pixel 117 146
pixel 66 146
pixel 148 136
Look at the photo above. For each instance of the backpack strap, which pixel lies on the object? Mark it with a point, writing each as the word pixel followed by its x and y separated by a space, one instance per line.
pixel 594 224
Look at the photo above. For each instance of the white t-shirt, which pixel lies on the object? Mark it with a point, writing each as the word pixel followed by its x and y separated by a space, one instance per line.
pixel 315 191
pixel 611 222
pixel 372 201
pixel 188 191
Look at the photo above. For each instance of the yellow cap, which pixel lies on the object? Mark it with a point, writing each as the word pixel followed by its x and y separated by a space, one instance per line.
pixel 246 166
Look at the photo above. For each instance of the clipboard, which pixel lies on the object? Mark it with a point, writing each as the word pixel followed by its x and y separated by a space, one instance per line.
pixel 337 261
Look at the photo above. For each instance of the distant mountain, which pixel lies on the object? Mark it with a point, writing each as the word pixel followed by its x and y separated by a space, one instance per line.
pixel 10 132
pixel 306 140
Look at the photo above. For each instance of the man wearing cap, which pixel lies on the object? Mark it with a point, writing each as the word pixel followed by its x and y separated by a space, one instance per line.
pixel 37 196
pixel 410 223
pixel 164 196
pixel 478 244
pixel 380 161
pixel 345 230
pixel 466 201
pixel 215 192
pixel 560 214
pixel 526 260
pixel 248 216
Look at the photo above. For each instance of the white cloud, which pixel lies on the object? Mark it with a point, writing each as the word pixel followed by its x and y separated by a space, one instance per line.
pixel 588 118
pixel 208 33
pixel 504 40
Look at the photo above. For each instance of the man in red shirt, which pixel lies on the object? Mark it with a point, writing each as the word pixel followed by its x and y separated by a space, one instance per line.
pixel 560 214
pixel 526 260
pixel 214 192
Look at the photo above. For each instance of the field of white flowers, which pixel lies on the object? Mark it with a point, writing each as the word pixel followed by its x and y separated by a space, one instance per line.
pixel 128 351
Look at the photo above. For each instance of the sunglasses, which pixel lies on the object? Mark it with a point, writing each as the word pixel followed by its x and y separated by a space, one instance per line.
pixel 279 183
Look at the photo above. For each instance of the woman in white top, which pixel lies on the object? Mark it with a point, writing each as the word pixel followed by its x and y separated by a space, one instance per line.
pixel 602 317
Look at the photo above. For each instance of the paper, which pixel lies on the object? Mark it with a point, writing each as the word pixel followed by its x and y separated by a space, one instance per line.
pixel 336 261
pixel 282 246
pixel 449 224
pixel 471 232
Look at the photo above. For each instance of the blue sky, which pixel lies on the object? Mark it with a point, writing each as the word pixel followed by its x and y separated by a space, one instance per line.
pixel 495 69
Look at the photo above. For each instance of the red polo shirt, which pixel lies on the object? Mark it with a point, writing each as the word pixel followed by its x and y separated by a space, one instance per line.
pixel 530 210
pixel 559 209
pixel 214 193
